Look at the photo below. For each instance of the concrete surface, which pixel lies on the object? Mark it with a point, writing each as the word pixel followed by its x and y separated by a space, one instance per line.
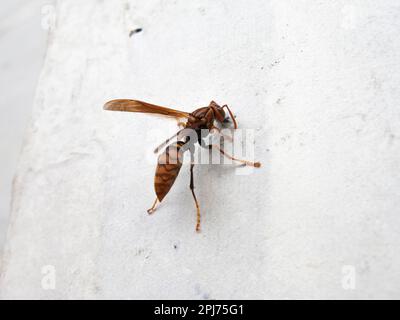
pixel 22 47
pixel 317 81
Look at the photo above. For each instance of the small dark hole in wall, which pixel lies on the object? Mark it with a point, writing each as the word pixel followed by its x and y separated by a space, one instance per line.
pixel 132 32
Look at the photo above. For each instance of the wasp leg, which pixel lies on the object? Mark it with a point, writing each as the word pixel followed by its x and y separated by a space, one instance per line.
pixel 232 116
pixel 249 163
pixel 153 208
pixel 181 124
pixel 223 135
pixel 156 150
pixel 194 197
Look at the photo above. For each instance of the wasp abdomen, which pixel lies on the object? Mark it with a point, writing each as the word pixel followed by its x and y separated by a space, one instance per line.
pixel 169 165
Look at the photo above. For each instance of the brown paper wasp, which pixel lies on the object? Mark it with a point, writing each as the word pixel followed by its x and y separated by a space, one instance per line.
pixel 170 161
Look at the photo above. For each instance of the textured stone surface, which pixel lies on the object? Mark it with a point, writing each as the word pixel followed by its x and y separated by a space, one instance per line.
pixel 318 81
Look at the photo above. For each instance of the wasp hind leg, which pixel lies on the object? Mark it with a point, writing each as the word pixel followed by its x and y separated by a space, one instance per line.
pixel 195 199
pixel 153 208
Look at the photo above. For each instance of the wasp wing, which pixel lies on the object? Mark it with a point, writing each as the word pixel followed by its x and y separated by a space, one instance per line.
pixel 140 106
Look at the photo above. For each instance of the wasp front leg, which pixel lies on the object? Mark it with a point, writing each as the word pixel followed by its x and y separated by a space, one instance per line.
pixel 232 116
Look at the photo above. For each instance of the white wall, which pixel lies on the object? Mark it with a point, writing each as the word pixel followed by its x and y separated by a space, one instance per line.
pixel 318 81
pixel 22 47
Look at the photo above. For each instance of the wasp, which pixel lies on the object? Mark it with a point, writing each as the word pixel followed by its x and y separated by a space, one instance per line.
pixel 170 161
